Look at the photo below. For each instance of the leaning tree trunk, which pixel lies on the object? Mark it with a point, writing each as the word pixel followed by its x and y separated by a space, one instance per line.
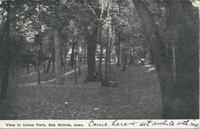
pixel 58 66
pixel 160 60
pixel 180 100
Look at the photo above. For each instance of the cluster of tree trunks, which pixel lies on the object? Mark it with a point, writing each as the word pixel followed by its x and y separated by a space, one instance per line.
pixel 180 96
pixel 178 76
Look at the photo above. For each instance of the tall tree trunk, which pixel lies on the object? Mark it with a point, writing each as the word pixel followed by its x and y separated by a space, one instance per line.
pixel 184 18
pixel 101 51
pixel 119 40
pixel 75 61
pixel 118 51
pixel 38 71
pixel 58 66
pixel 110 51
pixel 173 62
pixel 91 52
pixel 100 41
pixel 85 55
pixel 124 57
pixel 49 62
pixel 160 60
pixel 106 64
pixel 35 67
pixel 53 64
pixel 5 60
pixel 72 54
pixel 79 62
pixel 39 56
pixel 107 47
pixel 180 100
pixel 64 57
pixel 4 81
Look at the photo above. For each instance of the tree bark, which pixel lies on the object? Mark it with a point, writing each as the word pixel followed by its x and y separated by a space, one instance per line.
pixel 75 61
pixel 184 18
pixel 101 54
pixel 58 66
pixel 118 51
pixel 4 81
pixel 5 60
pixel 72 54
pixel 179 99
pixel 100 41
pixel 124 57
pixel 53 64
pixel 119 41
pixel 107 47
pixel 79 62
pixel 101 50
pixel 85 54
pixel 160 60
pixel 110 52
pixel 91 52
pixel 38 71
pixel 49 62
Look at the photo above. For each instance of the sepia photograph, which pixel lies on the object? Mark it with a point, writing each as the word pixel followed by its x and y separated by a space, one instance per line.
pixel 99 59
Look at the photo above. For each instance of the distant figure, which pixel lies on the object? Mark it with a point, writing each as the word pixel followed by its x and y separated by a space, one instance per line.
pixel 141 62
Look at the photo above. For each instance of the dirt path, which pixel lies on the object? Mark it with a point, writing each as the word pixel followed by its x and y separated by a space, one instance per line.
pixel 136 97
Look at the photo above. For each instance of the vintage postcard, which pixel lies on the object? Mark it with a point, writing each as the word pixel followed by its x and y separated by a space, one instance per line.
pixel 99 64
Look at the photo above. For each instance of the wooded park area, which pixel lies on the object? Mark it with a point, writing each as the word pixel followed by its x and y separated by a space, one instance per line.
pixel 99 59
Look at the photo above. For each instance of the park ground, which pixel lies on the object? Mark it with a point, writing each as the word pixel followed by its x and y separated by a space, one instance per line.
pixel 137 96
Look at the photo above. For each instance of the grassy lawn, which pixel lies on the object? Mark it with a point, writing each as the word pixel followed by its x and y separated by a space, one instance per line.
pixel 136 97
pixel 32 77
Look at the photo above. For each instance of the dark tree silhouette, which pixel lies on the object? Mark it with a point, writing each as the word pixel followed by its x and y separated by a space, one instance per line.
pixel 180 98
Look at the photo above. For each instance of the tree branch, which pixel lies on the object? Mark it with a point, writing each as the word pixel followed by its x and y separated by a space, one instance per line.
pixel 92 10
